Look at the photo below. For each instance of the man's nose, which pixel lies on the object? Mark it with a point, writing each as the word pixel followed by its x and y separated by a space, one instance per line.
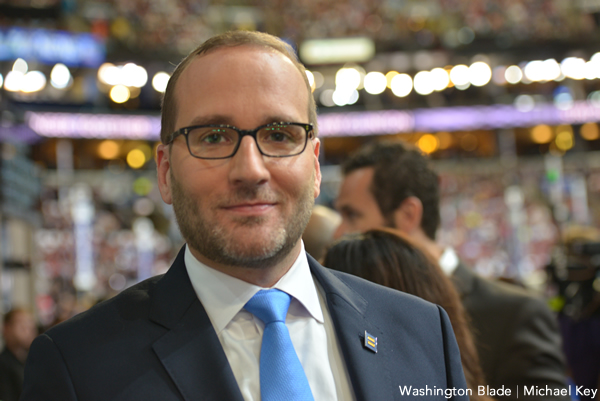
pixel 248 164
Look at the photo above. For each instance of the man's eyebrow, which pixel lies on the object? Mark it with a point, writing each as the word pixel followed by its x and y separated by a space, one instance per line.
pixel 228 120
pixel 212 120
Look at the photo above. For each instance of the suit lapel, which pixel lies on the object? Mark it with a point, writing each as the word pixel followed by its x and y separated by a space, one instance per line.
pixel 190 351
pixel 348 310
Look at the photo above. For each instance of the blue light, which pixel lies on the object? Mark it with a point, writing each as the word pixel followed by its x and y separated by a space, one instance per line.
pixel 51 47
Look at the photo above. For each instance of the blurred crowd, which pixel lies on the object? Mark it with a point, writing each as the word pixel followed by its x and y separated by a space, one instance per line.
pixel 180 24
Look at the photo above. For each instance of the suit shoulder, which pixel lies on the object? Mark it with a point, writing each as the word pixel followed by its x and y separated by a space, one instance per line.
pixel 131 304
pixel 507 297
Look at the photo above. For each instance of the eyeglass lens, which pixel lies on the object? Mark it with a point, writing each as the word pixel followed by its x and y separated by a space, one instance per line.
pixel 220 142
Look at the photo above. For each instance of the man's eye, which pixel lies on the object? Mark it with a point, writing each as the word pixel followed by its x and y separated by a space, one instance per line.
pixel 349 215
pixel 278 136
pixel 214 138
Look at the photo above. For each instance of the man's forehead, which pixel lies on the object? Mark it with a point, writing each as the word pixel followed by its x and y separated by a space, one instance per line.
pixel 240 54
pixel 231 67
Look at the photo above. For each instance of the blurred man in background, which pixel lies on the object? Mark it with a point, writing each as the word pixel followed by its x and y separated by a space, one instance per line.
pixel 517 338
pixel 18 331
pixel 575 277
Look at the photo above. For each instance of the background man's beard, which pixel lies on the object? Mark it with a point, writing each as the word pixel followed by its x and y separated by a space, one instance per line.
pixel 219 245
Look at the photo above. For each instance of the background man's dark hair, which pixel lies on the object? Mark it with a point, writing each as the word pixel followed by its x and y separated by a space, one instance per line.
pixel 401 171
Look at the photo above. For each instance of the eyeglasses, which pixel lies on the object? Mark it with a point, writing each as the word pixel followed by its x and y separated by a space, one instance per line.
pixel 223 141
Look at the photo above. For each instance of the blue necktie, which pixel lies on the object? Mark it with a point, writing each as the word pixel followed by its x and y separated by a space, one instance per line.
pixel 281 374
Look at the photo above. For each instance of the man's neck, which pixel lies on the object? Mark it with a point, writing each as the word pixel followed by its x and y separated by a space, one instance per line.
pixel 261 276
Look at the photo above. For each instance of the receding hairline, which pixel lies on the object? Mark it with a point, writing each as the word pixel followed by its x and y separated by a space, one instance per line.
pixel 257 46
pixel 281 48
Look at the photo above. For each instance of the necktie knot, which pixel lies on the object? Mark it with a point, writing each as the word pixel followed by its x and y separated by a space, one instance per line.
pixel 269 306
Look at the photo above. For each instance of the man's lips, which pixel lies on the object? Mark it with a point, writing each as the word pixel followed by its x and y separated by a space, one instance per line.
pixel 250 207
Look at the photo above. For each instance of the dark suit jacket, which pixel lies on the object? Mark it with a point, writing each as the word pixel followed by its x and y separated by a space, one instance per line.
pixel 516 335
pixel 155 341
pixel 11 376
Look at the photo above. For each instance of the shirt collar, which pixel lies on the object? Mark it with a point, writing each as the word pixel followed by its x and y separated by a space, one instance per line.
pixel 448 261
pixel 224 296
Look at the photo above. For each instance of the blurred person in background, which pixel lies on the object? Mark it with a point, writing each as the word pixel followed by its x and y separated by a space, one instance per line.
pixel 575 274
pixel 389 184
pixel 18 331
pixel 239 163
pixel 318 234
pixel 388 257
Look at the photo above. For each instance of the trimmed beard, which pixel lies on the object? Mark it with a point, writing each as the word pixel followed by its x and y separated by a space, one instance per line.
pixel 221 246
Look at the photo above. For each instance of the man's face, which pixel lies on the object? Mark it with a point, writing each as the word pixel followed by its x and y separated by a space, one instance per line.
pixel 357 205
pixel 248 210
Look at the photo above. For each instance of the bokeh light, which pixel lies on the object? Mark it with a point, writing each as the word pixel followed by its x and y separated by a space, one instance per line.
pixel 389 76
pixel 133 75
pixel 160 81
pixel 564 140
pixel 480 74
pixel 108 150
pixel 319 79
pixel 21 66
pixel 402 85
pixel 440 79
pixel 14 81
pixel 513 74
pixel 541 134
pixel 459 75
pixel 342 97
pixel 109 74
pixel 119 94
pixel 60 76
pixel 573 67
pixel 524 103
pixel 445 139
pixel 142 186
pixel 428 143
pixel 423 83
pixel 347 79
pixel 33 81
pixel 375 83
pixel 469 142
pixel 326 98
pixel 136 158
pixel 589 131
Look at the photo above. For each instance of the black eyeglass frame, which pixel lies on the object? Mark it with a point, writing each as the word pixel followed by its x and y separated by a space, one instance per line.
pixel 308 127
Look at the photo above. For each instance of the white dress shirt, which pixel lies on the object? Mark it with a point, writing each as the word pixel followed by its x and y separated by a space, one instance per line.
pixel 240 333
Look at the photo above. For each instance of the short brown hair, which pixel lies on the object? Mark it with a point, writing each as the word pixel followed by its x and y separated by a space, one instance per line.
pixel 230 39
pixel 400 171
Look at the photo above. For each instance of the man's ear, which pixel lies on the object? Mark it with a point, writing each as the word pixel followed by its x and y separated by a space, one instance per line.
pixel 407 217
pixel 316 150
pixel 163 168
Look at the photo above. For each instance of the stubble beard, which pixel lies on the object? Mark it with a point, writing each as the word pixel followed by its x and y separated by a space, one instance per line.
pixel 220 245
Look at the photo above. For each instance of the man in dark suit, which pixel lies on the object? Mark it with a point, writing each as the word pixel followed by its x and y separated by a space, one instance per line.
pixel 239 163
pixel 517 338
pixel 18 331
